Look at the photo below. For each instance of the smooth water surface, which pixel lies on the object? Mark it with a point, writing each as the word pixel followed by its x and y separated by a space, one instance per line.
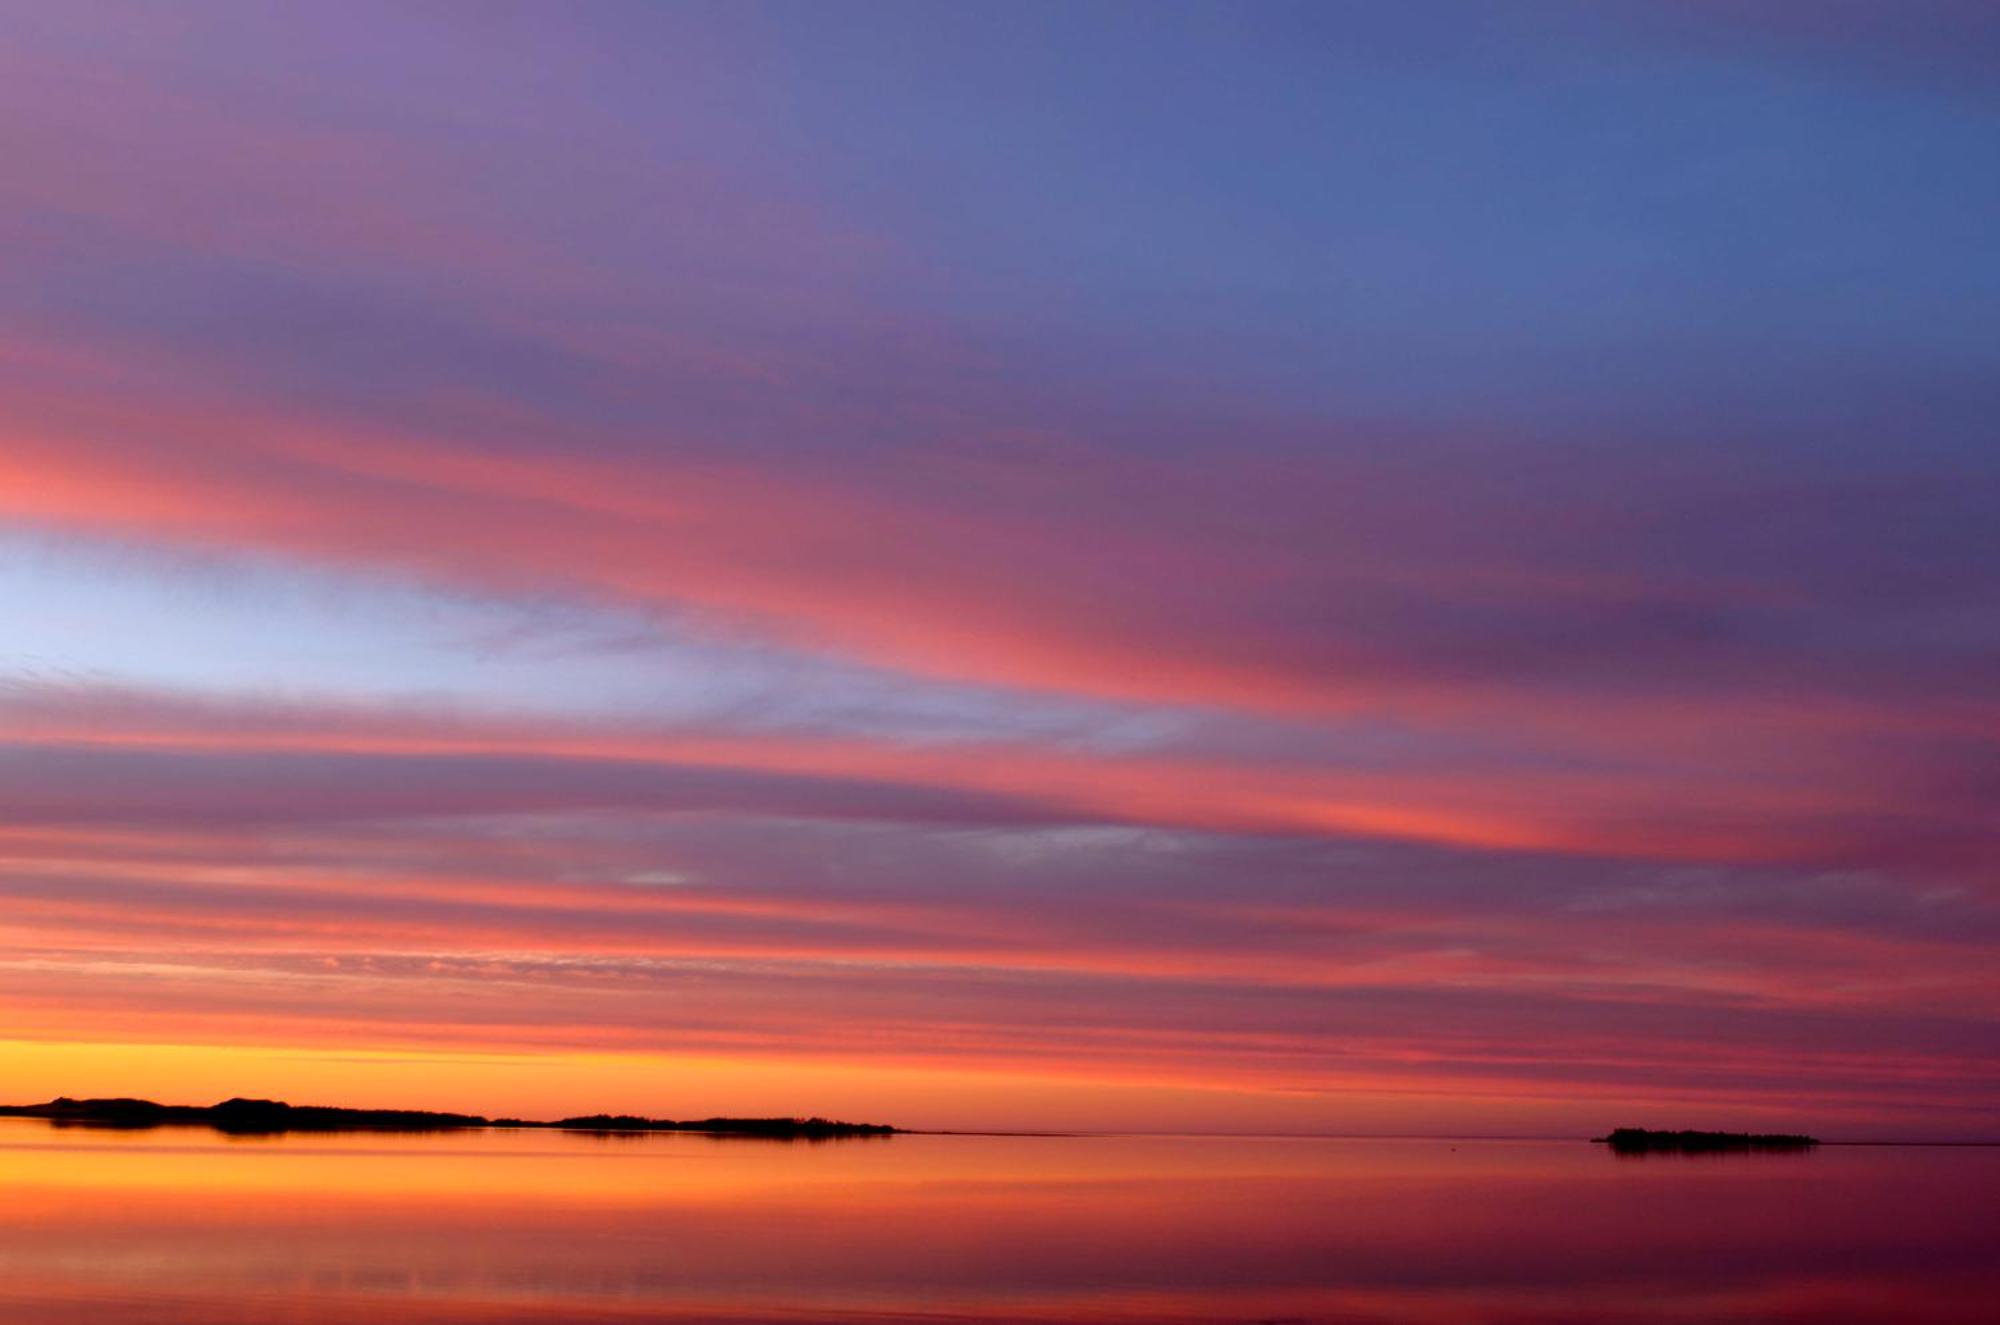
pixel 184 1226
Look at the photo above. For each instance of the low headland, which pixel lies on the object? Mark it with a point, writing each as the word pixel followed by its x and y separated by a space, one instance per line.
pixel 247 1116
pixel 1640 1140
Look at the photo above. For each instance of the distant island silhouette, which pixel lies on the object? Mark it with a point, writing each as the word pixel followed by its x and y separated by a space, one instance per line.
pixel 1640 1140
pixel 248 1116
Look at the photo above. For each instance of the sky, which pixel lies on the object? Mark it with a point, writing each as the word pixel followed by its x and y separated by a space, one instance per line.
pixel 1339 567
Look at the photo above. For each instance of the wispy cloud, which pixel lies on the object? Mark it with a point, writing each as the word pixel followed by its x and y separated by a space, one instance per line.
pixel 1457 557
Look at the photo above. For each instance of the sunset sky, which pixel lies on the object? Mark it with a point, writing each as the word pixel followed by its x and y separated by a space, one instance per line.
pixel 1326 567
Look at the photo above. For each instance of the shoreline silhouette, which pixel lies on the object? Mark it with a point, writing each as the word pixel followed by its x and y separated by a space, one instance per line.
pixel 1641 1140
pixel 254 1116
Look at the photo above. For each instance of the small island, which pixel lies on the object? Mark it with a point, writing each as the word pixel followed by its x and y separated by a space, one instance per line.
pixel 248 1116
pixel 1640 1140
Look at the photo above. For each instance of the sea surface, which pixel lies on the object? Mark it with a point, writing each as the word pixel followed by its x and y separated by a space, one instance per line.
pixel 186 1226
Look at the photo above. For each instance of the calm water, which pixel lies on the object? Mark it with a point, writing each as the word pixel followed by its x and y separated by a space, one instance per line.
pixel 186 1226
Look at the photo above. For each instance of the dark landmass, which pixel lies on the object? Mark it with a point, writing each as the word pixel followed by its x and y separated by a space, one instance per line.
pixel 804 1128
pixel 1639 1140
pixel 248 1117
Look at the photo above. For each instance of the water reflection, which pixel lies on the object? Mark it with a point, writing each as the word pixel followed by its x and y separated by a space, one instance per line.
pixel 182 1226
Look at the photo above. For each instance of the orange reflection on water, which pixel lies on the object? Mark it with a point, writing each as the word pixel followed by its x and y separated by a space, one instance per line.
pixel 176 1226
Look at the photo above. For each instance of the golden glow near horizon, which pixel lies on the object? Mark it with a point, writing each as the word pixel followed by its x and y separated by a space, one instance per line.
pixel 552 1085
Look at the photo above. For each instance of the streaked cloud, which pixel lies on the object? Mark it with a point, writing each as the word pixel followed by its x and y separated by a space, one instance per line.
pixel 1452 553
